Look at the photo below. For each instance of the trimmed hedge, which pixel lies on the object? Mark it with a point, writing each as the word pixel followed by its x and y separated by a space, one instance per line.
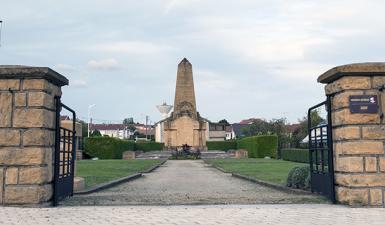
pixel 221 145
pixel 107 147
pixel 148 146
pixel 113 148
pixel 259 146
pixel 296 155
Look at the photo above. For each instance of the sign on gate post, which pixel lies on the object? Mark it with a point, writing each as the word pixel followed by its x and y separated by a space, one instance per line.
pixel 363 104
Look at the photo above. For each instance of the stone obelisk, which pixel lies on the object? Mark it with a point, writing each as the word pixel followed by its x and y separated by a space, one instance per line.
pixel 184 93
pixel 185 126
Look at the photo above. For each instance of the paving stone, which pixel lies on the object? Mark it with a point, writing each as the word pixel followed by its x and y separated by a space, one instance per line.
pixel 282 214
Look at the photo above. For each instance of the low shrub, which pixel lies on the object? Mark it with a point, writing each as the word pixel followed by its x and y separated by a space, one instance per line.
pixel 107 147
pixel 221 145
pixel 185 155
pixel 295 155
pixel 148 146
pixel 259 146
pixel 299 177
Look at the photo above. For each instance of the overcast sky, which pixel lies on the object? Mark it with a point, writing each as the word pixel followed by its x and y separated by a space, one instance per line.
pixel 251 58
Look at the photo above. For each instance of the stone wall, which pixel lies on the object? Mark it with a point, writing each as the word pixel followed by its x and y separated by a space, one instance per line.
pixel 27 133
pixel 359 159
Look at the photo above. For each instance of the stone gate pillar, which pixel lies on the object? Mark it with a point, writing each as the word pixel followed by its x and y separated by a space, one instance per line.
pixel 358 108
pixel 27 133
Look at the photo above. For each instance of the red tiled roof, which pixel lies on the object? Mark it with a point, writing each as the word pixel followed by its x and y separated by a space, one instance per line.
pixel 65 118
pixel 107 126
pixel 292 127
pixel 249 121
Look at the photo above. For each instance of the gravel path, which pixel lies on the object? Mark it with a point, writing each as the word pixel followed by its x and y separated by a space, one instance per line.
pixel 189 182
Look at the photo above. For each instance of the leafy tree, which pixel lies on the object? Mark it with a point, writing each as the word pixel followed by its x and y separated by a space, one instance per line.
pixel 279 127
pixel 131 127
pixel 302 132
pixel 96 133
pixel 224 121
pixel 84 128
pixel 258 127
pixel 128 121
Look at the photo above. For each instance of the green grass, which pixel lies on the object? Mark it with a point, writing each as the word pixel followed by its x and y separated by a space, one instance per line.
pixel 270 170
pixel 100 171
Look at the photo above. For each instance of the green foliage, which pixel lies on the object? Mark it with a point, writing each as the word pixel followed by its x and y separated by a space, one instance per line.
pixel 113 148
pixel 84 128
pixel 148 146
pixel 107 147
pixel 259 146
pixel 101 171
pixel 298 177
pixel 296 155
pixel 301 133
pixel 224 121
pixel 221 145
pixel 128 121
pixel 96 133
pixel 270 170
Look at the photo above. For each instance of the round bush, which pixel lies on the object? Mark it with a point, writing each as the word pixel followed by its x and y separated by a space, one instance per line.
pixel 308 181
pixel 289 180
pixel 298 177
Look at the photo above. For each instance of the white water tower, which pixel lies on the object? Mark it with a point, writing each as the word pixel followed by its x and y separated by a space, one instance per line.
pixel 164 109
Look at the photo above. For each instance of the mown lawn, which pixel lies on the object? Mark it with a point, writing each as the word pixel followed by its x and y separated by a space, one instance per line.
pixel 270 170
pixel 100 171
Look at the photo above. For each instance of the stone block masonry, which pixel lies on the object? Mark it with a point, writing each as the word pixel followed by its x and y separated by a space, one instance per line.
pixel 358 138
pixel 27 133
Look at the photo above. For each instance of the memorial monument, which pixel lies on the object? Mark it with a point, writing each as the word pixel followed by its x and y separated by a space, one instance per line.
pixel 184 125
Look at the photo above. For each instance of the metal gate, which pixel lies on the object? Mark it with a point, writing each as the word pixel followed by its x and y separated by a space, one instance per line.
pixel 321 151
pixel 65 154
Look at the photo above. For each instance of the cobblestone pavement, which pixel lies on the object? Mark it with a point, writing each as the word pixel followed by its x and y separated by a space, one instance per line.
pixel 285 214
pixel 184 182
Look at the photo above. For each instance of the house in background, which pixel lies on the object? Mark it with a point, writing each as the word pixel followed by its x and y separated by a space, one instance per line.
pixel 112 130
pixel 236 131
pixel 217 131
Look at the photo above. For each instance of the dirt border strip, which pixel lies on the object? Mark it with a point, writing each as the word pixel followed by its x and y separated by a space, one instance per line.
pixel 264 183
pixel 112 183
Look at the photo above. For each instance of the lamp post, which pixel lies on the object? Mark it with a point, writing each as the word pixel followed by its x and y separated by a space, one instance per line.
pixel 89 118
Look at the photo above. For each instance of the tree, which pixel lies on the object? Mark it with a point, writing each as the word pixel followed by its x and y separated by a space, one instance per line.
pixel 128 121
pixel 259 127
pixel 84 128
pixel 224 121
pixel 302 132
pixel 131 127
pixel 279 127
pixel 96 133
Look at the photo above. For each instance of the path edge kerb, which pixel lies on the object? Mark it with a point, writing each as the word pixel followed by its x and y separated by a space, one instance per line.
pixel 113 183
pixel 155 167
pixel 109 184
pixel 264 183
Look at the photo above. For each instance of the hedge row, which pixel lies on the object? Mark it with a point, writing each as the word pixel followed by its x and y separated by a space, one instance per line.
pixel 221 145
pixel 113 148
pixel 148 146
pixel 259 146
pixel 295 155
pixel 107 147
